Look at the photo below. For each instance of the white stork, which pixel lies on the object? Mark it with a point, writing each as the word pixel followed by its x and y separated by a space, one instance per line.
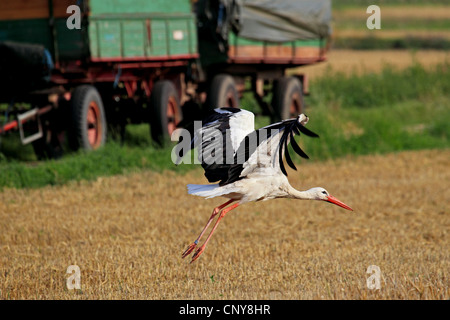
pixel 254 170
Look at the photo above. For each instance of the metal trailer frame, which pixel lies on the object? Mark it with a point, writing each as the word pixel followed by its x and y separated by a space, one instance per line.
pixel 173 85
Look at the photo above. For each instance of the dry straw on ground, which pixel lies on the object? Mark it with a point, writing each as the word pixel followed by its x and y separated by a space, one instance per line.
pixel 360 61
pixel 127 234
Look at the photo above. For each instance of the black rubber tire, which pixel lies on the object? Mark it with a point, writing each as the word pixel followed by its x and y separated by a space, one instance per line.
pixel 165 111
pixel 222 93
pixel 86 101
pixel 287 99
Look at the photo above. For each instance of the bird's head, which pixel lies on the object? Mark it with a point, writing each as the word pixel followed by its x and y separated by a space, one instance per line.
pixel 322 194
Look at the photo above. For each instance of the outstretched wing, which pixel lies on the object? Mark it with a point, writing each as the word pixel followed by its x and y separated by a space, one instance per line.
pixel 230 148
pixel 271 146
pixel 218 139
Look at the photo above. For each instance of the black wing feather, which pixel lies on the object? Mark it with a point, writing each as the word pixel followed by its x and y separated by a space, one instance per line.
pixel 227 173
pixel 288 128
pixel 292 127
pixel 287 155
pixel 306 131
pixel 296 148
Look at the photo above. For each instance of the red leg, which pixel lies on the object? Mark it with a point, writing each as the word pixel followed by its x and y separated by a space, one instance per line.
pixel 222 214
pixel 214 213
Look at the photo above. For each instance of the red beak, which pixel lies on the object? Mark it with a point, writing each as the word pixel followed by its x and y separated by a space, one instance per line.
pixel 338 202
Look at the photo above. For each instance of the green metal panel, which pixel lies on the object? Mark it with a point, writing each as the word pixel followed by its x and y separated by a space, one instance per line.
pixel 100 7
pixel 142 35
pixel 141 28
pixel 117 29
pixel 158 38
pixel 70 43
pixel 178 37
pixel 109 38
pixel 94 39
pixel 193 40
pixel 135 43
pixel 28 31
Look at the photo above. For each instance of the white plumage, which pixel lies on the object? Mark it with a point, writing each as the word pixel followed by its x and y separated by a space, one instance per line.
pixel 245 165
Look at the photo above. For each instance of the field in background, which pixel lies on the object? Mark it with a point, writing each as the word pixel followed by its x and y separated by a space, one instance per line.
pixel 407 91
pixel 373 61
pixel 388 3
pixel 404 25
pixel 127 233
pixel 391 110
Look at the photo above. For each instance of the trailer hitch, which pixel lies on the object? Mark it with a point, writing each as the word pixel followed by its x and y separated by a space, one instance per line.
pixel 25 117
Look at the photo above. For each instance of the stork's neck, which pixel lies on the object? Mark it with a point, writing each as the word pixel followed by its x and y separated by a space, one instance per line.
pixel 302 195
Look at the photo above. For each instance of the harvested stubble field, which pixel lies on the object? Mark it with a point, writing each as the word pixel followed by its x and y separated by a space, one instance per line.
pixel 127 233
pixel 394 17
pixel 373 61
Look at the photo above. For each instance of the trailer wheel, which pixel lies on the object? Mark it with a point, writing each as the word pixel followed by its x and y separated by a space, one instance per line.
pixel 287 99
pixel 88 121
pixel 222 92
pixel 165 111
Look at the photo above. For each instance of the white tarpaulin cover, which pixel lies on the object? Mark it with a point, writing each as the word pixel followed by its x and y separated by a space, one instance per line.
pixel 285 20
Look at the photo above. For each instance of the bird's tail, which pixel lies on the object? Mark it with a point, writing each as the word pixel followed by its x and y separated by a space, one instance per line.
pixel 204 190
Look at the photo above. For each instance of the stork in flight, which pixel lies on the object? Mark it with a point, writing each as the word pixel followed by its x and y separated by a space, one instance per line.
pixel 246 165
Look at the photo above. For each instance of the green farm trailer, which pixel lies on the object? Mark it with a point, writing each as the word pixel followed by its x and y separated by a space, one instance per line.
pixel 70 69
